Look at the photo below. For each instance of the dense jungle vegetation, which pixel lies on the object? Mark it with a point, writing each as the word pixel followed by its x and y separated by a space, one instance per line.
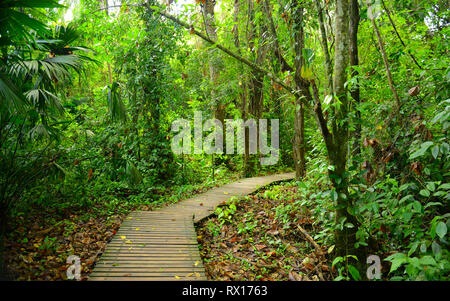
pixel 89 90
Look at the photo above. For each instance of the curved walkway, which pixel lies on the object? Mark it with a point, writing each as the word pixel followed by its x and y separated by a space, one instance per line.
pixel 162 244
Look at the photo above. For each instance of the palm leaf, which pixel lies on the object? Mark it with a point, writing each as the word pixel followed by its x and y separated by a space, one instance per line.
pixel 33 3
pixel 116 107
pixel 10 96
pixel 44 99
pixel 134 176
pixel 15 25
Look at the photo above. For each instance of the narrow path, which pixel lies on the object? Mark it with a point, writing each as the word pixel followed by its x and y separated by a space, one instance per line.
pixel 162 244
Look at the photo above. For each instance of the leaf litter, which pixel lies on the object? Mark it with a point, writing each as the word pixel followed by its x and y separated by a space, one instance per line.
pixel 256 245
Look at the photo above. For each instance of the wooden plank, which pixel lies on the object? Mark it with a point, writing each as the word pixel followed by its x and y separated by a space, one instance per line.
pixel 150 270
pixel 111 278
pixel 150 249
pixel 136 239
pixel 152 263
pixel 157 246
pixel 154 235
pixel 133 258
pixel 142 260
pixel 168 274
pixel 148 253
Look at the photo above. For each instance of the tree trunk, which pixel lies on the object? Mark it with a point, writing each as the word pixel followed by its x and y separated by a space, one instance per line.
pixel 324 43
pixel 256 96
pixel 299 139
pixel 386 65
pixel 398 35
pixel 214 70
pixel 354 61
pixel 106 51
pixel 345 238
pixel 243 83
pixel 299 127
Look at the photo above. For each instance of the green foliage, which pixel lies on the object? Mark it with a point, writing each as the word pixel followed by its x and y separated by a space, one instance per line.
pixel 225 213
pixel 345 270
pixel 86 109
pixel 116 107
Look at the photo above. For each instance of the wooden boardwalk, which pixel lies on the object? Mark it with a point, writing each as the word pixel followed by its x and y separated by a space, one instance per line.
pixel 162 244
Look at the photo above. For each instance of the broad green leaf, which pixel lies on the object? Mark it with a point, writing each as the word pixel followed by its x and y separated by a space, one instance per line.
pixel 431 186
pixel 417 206
pixel 330 249
pixel 423 148
pixel 334 195
pixel 441 229
pixel 337 260
pixel 427 260
pixel 354 272
pixel 436 248
pixel 424 192
pixel 397 260
pixel 435 151
pixel 445 186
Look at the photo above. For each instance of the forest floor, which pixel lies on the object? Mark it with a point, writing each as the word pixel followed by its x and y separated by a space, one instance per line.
pixel 39 241
pixel 258 240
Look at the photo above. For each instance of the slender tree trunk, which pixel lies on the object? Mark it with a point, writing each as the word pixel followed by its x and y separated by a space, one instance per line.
pixel 214 70
pixel 299 139
pixel 354 61
pixel 324 43
pixel 106 51
pixel 256 95
pixel 243 84
pixel 299 135
pixel 338 155
pixel 398 35
pixel 278 65
pixel 386 65
pixel 345 238
pixel 109 72
pixel 276 49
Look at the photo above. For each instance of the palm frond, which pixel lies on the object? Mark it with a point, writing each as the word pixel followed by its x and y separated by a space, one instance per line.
pixel 15 27
pixel 54 69
pixel 10 96
pixel 33 3
pixel 42 131
pixel 134 176
pixel 116 107
pixel 43 99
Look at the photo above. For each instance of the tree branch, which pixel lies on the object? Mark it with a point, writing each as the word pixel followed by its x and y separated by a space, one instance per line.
pixel 277 49
pixel 398 35
pixel 386 65
pixel 115 6
pixel 321 121
pixel 227 51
